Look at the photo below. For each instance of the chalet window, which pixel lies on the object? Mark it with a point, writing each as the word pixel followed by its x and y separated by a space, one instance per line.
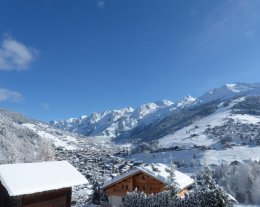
pixel 123 186
pixel 151 188
pixel 144 187
pixel 126 187
pixel 143 177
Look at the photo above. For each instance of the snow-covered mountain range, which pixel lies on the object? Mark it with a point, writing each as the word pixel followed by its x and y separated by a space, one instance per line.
pixel 127 121
pixel 184 124
pixel 221 126
pixel 228 91
pixel 117 122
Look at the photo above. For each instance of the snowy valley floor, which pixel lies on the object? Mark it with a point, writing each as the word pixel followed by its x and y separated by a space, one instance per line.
pixel 189 157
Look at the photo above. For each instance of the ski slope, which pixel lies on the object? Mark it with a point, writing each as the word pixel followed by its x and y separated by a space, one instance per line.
pixel 194 134
pixel 62 140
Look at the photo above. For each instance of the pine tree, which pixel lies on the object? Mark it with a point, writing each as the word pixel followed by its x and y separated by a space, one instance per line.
pixel 46 151
pixel 136 199
pixel 208 193
pixel 96 193
pixel 172 183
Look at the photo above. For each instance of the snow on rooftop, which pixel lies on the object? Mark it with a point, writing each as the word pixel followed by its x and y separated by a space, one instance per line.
pixel 28 178
pixel 160 174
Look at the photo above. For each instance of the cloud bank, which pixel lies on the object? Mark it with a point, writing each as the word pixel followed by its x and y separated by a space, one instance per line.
pixel 101 4
pixel 231 20
pixel 8 95
pixel 46 106
pixel 15 55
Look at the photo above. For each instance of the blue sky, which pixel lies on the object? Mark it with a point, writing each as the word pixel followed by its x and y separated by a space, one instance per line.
pixel 65 58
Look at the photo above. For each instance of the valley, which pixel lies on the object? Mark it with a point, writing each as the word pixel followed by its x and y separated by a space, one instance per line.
pixel 222 127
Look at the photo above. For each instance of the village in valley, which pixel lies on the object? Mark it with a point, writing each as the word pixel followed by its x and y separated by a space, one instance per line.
pixel 176 170
pixel 112 173
pixel 122 103
pixel 98 163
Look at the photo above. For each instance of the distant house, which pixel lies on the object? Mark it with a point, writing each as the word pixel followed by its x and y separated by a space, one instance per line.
pixel 149 179
pixel 44 184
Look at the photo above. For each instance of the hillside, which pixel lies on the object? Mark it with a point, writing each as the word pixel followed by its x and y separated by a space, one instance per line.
pixel 212 129
pixel 155 120
pixel 25 140
pixel 17 143
pixel 219 126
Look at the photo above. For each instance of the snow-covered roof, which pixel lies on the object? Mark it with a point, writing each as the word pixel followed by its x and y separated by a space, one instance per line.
pixel 160 174
pixel 28 178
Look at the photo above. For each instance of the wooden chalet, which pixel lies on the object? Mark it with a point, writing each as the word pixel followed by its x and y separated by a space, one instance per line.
pixel 45 184
pixel 149 179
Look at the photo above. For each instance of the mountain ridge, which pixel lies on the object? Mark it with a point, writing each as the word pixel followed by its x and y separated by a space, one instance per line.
pixel 112 123
pixel 122 122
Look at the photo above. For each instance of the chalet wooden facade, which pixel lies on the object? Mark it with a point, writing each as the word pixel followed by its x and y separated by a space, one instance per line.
pixel 56 198
pixel 144 179
pixel 140 181
pixel 47 184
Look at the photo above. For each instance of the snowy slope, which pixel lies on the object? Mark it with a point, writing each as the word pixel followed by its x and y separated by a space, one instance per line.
pixel 59 138
pixel 18 143
pixel 225 136
pixel 195 134
pixel 124 122
pixel 26 140
pixel 194 157
pixel 228 91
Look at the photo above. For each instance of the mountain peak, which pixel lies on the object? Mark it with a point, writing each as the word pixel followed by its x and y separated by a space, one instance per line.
pixel 239 87
pixel 163 103
pixel 119 121
pixel 186 101
pixel 230 90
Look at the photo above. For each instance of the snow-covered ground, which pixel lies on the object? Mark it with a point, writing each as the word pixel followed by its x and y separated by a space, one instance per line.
pixel 165 157
pixel 189 157
pixel 60 139
pixel 246 118
pixel 228 155
pixel 183 137
pixel 241 205
pixel 194 134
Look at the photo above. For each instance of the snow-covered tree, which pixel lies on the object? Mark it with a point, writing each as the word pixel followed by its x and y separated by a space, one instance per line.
pixel 135 199
pixel 241 180
pixel 12 158
pixel 46 151
pixel 208 193
pixel 96 196
pixel 172 183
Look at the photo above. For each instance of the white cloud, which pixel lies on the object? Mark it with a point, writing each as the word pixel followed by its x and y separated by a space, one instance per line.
pixel 8 95
pixel 46 106
pixel 15 55
pixel 229 21
pixel 101 4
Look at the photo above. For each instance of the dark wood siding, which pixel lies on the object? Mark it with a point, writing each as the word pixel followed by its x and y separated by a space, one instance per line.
pixel 141 181
pixel 55 198
pixel 56 202
pixel 4 197
pixel 58 198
